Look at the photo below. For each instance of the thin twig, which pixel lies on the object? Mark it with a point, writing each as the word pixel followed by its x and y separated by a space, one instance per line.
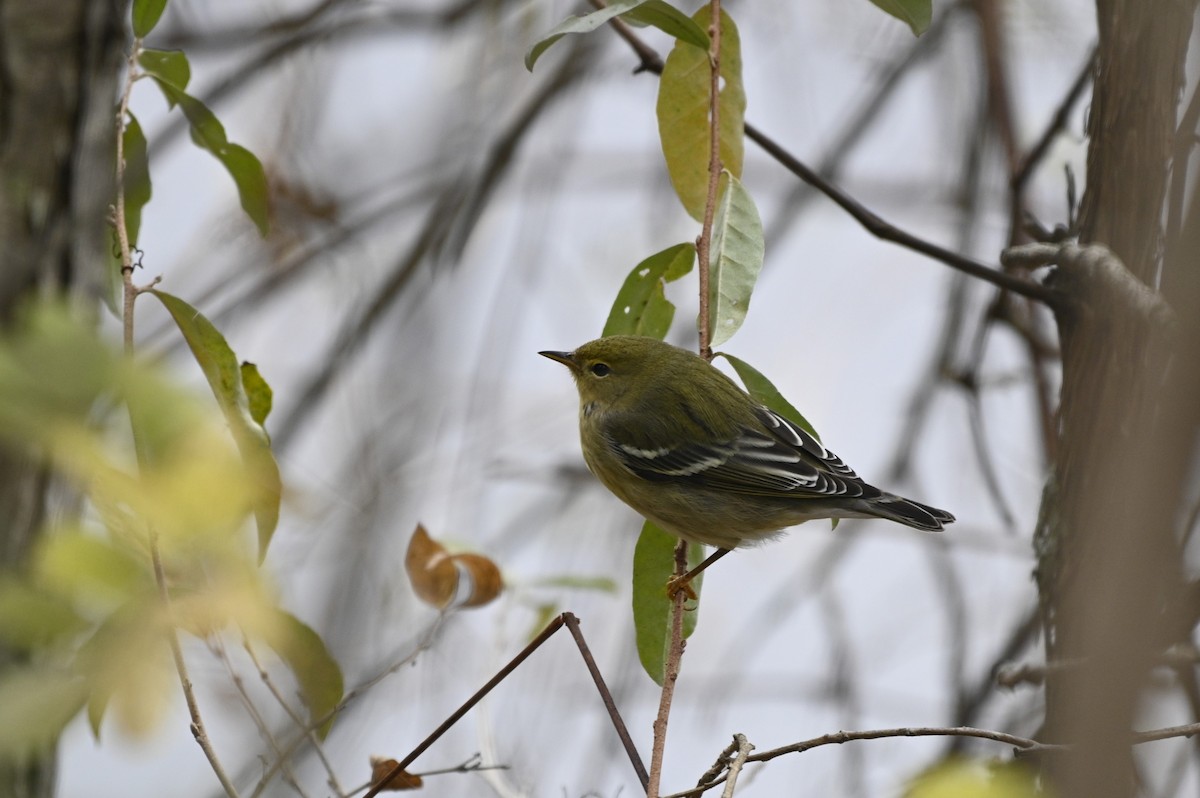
pixel 618 723
pixel 264 731
pixel 735 767
pixel 474 764
pixel 837 738
pixel 294 744
pixel 871 222
pixel 295 717
pixel 670 674
pixel 433 737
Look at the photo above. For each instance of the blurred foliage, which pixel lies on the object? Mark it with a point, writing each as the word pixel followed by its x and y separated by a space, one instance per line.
pixel 90 613
pixel 963 778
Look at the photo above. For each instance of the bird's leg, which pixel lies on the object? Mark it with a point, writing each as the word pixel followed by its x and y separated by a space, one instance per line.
pixel 684 583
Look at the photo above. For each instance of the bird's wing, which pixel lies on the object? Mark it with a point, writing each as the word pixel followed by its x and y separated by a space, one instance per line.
pixel 777 458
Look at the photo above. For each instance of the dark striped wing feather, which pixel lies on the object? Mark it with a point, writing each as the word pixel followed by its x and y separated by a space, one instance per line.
pixel 777 458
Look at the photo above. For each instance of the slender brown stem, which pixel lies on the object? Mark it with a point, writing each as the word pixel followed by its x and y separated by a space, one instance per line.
pixel 675 647
pixel 295 717
pixel 618 723
pixel 433 737
pixel 670 674
pixel 704 243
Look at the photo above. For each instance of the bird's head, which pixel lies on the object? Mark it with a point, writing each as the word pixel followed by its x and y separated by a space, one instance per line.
pixel 608 368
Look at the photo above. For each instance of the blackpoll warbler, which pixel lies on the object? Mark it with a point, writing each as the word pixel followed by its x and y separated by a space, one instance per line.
pixel 679 442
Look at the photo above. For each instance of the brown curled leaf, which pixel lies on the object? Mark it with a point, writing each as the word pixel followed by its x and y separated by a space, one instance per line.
pixel 380 768
pixel 484 576
pixel 433 574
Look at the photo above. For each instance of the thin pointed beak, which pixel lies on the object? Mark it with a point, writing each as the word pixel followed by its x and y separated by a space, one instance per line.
pixel 566 358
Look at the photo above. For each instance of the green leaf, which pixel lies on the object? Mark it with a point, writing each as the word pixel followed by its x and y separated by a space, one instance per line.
pixel 167 66
pixel 224 376
pixel 35 619
pixel 683 118
pixel 917 14
pixel 653 565
pixel 36 702
pixel 242 165
pixel 145 16
pixel 258 392
pixel 641 308
pixel 651 12
pixel 764 392
pixel 736 256
pixel 602 584
pixel 672 21
pixel 137 177
pixel 316 671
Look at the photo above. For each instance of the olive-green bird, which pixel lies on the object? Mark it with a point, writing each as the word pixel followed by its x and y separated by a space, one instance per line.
pixel 681 443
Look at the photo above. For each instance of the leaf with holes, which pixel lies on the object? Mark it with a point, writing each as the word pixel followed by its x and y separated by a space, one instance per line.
pixel 641 307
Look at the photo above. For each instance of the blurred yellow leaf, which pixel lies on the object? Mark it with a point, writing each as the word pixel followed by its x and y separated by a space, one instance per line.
pixel 35 704
pixel 962 778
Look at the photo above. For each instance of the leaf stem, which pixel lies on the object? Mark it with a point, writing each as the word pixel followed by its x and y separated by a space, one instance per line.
pixel 130 295
pixel 670 674
pixel 703 244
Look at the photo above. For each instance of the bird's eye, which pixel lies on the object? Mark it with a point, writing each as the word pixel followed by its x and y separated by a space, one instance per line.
pixel 601 369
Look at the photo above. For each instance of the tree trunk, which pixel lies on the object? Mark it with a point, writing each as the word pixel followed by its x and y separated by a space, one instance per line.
pixel 1108 567
pixel 59 64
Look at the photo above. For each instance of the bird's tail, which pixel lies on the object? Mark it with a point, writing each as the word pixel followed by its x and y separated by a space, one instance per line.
pixel 910 513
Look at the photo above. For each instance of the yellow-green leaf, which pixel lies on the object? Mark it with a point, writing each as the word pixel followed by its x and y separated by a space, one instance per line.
pixel 963 778
pixel 220 367
pixel 653 565
pixel 683 113
pixel 917 14
pixel 90 569
pixel 641 307
pixel 736 258
pixel 315 669
pixel 36 702
pixel 35 619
